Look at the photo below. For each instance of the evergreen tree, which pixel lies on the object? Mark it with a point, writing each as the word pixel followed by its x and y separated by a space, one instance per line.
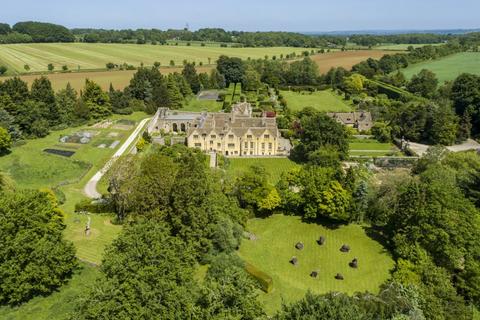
pixel 66 101
pixel 190 74
pixel 96 100
pixel 174 96
pixel 16 88
pixel 42 92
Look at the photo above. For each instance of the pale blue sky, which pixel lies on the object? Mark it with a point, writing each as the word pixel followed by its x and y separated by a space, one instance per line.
pixel 251 15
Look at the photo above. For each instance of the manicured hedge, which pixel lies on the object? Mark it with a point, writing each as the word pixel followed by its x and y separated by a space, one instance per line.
pixel 263 279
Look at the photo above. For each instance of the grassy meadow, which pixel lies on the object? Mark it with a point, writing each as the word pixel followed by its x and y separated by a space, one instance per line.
pixel 273 166
pixel 87 56
pixel 275 246
pixel 325 100
pixel 448 68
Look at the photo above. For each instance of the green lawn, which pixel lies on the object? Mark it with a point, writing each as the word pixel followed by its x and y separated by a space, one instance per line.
pixel 325 100
pixel 372 148
pixel 87 56
pixel 30 167
pixel 274 166
pixel 56 306
pixel 274 248
pixel 448 68
pixel 202 105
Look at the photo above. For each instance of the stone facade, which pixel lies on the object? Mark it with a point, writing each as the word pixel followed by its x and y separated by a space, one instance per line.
pixel 237 133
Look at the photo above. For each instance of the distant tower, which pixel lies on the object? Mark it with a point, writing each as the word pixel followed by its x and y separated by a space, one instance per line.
pixel 187 26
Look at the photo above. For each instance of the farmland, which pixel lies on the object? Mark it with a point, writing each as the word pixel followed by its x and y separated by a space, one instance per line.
pixel 346 59
pixel 84 56
pixel 119 79
pixel 325 100
pixel 402 46
pixel 448 68
pixel 87 61
pixel 275 246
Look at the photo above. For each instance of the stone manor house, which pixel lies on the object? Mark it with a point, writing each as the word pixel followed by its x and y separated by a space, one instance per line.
pixel 237 133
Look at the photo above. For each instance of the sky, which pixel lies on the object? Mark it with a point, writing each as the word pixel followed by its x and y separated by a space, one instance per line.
pixel 249 15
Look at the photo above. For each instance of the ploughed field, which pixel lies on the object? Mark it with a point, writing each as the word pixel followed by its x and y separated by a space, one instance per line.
pixel 273 246
pixel 448 68
pixel 346 59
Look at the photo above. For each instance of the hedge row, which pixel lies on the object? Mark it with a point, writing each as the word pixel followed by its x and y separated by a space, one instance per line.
pixel 263 279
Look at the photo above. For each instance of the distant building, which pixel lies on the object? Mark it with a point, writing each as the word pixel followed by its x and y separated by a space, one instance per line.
pixel 361 120
pixel 237 133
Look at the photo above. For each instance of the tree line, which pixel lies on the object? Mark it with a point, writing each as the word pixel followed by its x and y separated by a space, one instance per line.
pixel 34 112
pixel 30 31
pixel 24 32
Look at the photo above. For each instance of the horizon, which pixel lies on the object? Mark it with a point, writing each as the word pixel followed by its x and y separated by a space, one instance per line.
pixel 316 16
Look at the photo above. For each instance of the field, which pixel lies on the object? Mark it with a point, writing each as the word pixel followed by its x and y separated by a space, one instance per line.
pixel 325 100
pixel 274 166
pixel 30 167
pixel 85 56
pixel 371 148
pixel 450 67
pixel 119 79
pixel 58 305
pixel 274 247
pixel 402 46
pixel 346 59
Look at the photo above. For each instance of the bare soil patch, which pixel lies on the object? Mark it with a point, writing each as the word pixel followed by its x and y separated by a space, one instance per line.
pixel 346 59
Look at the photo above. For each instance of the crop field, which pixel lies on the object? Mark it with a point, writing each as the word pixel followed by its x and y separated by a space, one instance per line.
pixel 448 68
pixel 118 79
pixel 273 166
pixel 345 59
pixel 325 100
pixel 402 46
pixel 275 247
pixel 86 56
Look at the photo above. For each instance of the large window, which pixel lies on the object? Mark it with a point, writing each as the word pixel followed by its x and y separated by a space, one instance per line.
pixel 231 145
pixel 231 136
